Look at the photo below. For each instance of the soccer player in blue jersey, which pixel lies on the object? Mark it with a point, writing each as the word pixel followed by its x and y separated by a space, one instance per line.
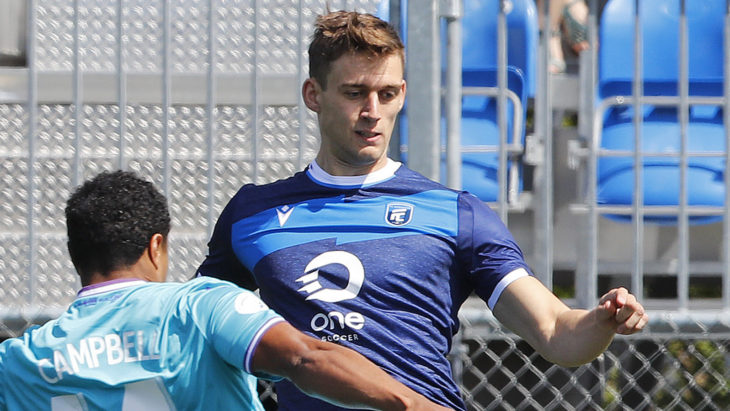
pixel 360 250
pixel 131 341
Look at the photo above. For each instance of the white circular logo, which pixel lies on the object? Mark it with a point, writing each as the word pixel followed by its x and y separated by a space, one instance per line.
pixel 355 270
pixel 247 303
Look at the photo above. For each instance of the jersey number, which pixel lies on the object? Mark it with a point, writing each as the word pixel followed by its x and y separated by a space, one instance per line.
pixel 147 394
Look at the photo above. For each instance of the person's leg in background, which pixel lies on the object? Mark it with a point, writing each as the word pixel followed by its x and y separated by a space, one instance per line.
pixel 567 25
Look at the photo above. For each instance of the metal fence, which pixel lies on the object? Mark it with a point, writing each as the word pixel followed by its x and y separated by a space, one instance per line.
pixel 202 96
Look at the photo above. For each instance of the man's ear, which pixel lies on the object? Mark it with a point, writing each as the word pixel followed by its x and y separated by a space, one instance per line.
pixel 403 95
pixel 310 94
pixel 156 250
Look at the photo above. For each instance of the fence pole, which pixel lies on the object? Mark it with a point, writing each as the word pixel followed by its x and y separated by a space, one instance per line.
pixel 423 72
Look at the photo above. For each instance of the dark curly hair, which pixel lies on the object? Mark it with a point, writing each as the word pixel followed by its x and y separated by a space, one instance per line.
pixel 341 32
pixel 110 220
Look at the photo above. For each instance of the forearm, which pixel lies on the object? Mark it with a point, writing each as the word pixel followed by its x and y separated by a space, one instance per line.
pixel 579 337
pixel 586 334
pixel 333 372
pixel 562 335
pixel 359 384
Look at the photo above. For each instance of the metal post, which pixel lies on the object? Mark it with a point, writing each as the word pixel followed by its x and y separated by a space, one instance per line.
pixel 211 112
pixel 587 273
pixel 683 217
pixel 502 110
pixel 255 93
pixel 302 75
pixel 638 204
pixel 424 80
pixel 32 131
pixel 543 130
pixel 726 123
pixel 453 95
pixel 77 98
pixel 121 86
pixel 166 88
pixel 394 18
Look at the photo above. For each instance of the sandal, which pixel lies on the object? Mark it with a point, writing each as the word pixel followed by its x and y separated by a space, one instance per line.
pixel 576 32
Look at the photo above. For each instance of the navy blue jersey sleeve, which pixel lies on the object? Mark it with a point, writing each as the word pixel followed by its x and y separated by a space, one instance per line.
pixel 221 262
pixel 490 254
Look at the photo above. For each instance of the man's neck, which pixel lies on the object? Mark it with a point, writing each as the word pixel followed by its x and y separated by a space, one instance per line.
pixel 337 168
pixel 136 271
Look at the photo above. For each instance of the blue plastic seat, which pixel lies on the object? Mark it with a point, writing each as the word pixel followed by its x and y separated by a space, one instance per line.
pixel 479 123
pixel 480 127
pixel 660 131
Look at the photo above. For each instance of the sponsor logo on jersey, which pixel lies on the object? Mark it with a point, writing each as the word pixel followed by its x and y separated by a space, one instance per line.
pixel 247 303
pixel 283 213
pixel 355 271
pixel 398 214
pixel 334 325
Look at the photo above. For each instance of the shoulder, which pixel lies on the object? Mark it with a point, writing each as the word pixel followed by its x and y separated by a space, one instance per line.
pixel 253 198
pixel 418 181
pixel 204 284
pixel 468 201
pixel 211 292
pixel 209 301
pixel 277 186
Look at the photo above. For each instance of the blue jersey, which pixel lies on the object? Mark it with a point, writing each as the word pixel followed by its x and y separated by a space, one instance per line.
pixel 130 344
pixel 379 263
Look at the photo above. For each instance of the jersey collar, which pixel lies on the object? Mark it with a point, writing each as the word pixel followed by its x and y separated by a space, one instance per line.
pixel 318 175
pixel 107 286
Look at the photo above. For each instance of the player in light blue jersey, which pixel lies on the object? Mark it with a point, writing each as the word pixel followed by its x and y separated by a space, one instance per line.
pixel 131 341
pixel 360 250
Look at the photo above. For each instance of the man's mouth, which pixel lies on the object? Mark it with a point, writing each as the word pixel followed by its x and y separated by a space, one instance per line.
pixel 367 134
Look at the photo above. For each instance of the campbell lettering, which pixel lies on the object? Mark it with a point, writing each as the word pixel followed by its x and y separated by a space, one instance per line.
pixel 98 351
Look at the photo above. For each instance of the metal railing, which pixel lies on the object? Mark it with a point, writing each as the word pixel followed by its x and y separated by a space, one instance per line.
pixel 202 97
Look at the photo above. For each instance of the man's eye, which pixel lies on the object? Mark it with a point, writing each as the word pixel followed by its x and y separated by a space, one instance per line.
pixel 388 95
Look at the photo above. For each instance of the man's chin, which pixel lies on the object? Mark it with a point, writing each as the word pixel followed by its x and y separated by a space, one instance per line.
pixel 372 162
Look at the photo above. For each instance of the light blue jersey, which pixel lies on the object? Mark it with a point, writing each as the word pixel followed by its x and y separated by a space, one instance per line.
pixel 131 345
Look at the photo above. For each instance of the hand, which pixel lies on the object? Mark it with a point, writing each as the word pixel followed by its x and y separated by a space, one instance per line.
pixel 623 310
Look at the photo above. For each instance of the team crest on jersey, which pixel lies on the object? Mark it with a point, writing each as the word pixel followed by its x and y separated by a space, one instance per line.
pixel 398 213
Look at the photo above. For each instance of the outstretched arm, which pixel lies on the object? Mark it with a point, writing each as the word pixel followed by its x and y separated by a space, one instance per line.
pixel 565 336
pixel 332 372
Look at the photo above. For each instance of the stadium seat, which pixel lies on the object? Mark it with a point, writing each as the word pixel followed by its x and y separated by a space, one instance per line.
pixel 479 124
pixel 661 129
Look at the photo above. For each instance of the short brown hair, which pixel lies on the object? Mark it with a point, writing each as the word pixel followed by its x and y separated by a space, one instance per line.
pixel 340 32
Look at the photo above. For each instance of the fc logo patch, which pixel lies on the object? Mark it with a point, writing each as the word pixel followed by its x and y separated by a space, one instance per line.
pixel 398 213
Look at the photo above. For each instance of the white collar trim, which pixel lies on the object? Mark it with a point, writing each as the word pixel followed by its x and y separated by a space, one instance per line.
pixel 108 286
pixel 320 176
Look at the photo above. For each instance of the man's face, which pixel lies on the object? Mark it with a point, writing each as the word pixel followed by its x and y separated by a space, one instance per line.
pixel 357 111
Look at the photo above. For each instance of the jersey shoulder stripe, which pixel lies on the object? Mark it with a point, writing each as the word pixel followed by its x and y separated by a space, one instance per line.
pixel 367 215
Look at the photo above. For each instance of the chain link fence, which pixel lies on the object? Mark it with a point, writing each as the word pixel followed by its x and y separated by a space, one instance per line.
pixel 202 100
pixel 680 362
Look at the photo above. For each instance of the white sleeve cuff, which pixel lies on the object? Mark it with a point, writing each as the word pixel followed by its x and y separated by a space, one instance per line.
pixel 503 283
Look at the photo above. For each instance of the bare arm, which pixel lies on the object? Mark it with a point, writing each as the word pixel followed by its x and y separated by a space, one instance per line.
pixel 332 372
pixel 565 336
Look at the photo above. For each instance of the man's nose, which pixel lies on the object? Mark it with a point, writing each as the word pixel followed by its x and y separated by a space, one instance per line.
pixel 371 110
